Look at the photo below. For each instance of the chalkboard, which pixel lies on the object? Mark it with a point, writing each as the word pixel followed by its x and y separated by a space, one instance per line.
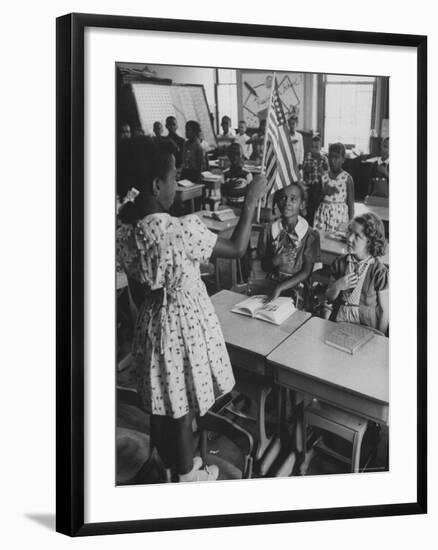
pixel 155 102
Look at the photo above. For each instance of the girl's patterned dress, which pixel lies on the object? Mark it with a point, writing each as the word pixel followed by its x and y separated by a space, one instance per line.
pixel 181 358
pixel 360 304
pixel 333 209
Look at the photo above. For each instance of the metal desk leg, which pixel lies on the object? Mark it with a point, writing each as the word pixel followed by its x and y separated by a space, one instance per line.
pixel 263 439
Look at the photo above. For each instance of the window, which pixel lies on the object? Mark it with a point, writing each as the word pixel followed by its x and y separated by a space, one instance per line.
pixel 348 110
pixel 227 96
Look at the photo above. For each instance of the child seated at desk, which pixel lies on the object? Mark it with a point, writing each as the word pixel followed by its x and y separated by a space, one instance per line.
pixel 289 248
pixel 244 140
pixel 193 157
pixel 337 206
pixel 236 179
pixel 359 280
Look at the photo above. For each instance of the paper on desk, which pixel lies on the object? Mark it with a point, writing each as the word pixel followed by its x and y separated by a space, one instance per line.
pixel 209 176
pixel 185 183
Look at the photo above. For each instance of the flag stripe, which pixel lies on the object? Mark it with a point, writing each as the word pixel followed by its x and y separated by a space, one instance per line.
pixel 280 160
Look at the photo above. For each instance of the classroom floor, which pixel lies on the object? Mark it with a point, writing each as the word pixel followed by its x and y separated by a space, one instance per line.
pixel 133 449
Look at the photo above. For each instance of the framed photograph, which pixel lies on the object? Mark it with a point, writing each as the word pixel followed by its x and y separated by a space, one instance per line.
pixel 241 293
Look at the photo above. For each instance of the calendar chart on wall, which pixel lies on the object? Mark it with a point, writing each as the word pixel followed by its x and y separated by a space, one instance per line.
pixel 155 102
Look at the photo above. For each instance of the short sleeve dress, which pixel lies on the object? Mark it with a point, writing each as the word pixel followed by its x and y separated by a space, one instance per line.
pixel 181 358
pixel 333 209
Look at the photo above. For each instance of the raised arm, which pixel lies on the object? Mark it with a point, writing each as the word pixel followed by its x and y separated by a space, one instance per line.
pixel 235 247
pixel 296 279
pixel 350 197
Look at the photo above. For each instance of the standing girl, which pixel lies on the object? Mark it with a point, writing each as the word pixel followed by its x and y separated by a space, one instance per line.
pixel 181 359
pixel 337 206
pixel 359 283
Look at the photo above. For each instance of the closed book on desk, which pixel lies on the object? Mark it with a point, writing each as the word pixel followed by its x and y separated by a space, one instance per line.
pixel 257 307
pixel 224 215
pixel 349 337
pixel 185 183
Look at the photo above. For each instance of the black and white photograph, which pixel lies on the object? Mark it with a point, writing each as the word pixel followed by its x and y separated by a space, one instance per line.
pixel 252 273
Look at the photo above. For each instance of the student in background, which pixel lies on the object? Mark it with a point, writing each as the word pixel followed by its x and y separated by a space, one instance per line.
pixel 337 205
pixel 227 136
pixel 193 158
pixel 242 139
pixel 257 142
pixel 379 185
pixel 206 148
pixel 172 127
pixel 125 131
pixel 137 132
pixel 359 280
pixel 297 139
pixel 236 178
pixel 178 347
pixel 227 131
pixel 315 165
pixel 204 143
pixel 289 247
pixel 157 129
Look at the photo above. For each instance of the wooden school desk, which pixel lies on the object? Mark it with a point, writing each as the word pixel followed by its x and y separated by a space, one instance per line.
pixel 357 383
pixel 225 230
pixel 184 194
pixel 249 342
pixel 380 210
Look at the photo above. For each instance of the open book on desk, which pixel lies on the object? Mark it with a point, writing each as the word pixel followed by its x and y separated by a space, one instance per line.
pixel 258 307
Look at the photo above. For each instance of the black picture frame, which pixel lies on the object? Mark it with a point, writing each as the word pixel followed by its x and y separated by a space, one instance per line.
pixel 70 273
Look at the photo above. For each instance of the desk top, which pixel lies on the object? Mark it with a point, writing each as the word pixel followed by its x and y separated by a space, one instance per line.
pixel 365 373
pixel 339 248
pixel 381 211
pixel 253 335
pixel 215 225
pixel 180 189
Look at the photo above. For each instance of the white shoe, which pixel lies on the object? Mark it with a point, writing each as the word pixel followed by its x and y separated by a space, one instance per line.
pixel 208 473
pixel 197 463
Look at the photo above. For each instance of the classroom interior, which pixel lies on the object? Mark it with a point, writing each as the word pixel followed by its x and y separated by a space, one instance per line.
pixel 300 406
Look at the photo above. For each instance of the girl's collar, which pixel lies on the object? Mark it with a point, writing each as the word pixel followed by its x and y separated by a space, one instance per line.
pixel 300 228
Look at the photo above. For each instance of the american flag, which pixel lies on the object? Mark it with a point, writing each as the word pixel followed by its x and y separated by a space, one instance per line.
pixel 280 164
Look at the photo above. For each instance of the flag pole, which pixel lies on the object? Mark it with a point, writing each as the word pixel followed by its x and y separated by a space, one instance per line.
pixel 274 80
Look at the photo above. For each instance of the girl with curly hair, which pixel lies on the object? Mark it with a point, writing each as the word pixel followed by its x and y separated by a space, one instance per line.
pixel 359 280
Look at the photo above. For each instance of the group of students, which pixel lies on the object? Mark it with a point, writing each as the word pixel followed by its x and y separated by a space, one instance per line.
pixel 190 153
pixel 181 358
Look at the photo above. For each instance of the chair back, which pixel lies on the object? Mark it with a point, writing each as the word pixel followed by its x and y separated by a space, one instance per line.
pixel 242 439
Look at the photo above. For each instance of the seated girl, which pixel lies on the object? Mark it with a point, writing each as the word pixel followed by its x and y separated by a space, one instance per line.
pixel 289 248
pixel 359 282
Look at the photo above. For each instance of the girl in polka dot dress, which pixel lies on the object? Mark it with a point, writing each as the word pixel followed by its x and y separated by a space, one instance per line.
pixel 181 358
pixel 337 205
